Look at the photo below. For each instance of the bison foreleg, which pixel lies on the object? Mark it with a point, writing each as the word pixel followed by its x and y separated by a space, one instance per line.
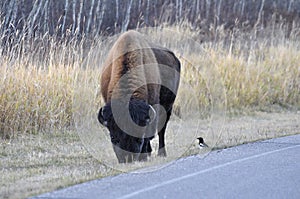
pixel 146 150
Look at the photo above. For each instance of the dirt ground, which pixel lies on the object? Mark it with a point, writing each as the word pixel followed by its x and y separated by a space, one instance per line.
pixel 33 164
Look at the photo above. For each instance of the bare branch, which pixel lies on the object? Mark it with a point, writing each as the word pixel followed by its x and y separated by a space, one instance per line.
pixel 290 5
pixel 74 15
pixel 33 16
pixel 101 15
pixel 45 10
pixel 147 12
pixel 117 11
pixel 127 17
pixel 79 16
pixel 9 13
pixel 98 26
pixel 65 16
pixel 90 17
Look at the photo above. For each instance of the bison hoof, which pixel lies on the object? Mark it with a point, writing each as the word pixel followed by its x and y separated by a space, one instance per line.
pixel 144 156
pixel 162 152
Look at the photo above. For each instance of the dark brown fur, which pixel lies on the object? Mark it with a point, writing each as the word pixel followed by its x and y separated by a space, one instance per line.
pixel 131 51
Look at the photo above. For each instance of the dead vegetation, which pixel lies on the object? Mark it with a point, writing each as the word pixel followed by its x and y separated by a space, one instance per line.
pixel 239 84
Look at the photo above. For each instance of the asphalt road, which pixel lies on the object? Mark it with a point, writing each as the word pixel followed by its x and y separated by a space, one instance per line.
pixel 266 169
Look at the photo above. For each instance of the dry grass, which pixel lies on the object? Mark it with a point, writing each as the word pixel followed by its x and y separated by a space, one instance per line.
pixel 32 164
pixel 38 87
pixel 49 86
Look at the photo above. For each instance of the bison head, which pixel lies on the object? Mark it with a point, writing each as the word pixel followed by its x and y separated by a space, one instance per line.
pixel 127 144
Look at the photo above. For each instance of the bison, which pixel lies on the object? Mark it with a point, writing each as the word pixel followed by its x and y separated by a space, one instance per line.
pixel 139 83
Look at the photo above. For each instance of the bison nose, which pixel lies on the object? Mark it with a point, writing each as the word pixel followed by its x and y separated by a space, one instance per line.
pixel 115 141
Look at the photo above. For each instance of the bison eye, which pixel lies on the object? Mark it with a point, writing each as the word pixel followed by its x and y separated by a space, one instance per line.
pixel 114 140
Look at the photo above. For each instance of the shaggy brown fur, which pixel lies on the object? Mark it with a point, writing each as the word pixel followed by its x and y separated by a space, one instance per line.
pixel 129 51
pixel 133 62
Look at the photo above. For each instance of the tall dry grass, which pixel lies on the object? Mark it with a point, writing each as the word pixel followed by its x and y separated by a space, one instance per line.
pixel 266 73
pixel 50 86
pixel 256 69
pixel 37 86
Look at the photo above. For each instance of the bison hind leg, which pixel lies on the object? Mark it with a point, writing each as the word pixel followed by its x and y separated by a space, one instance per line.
pixel 161 135
pixel 162 152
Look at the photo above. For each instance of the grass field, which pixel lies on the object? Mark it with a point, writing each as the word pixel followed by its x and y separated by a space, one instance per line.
pixel 236 87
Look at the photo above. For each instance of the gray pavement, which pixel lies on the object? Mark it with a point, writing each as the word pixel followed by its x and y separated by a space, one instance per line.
pixel 265 169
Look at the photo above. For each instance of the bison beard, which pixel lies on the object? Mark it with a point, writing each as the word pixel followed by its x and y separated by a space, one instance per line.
pixel 128 147
pixel 133 122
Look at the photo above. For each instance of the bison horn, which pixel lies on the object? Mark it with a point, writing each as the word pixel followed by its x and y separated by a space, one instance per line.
pixel 101 118
pixel 153 113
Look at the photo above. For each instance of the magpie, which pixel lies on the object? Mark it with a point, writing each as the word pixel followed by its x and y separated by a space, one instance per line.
pixel 201 143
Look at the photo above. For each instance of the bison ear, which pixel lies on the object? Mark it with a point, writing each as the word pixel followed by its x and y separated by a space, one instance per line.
pixel 101 118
